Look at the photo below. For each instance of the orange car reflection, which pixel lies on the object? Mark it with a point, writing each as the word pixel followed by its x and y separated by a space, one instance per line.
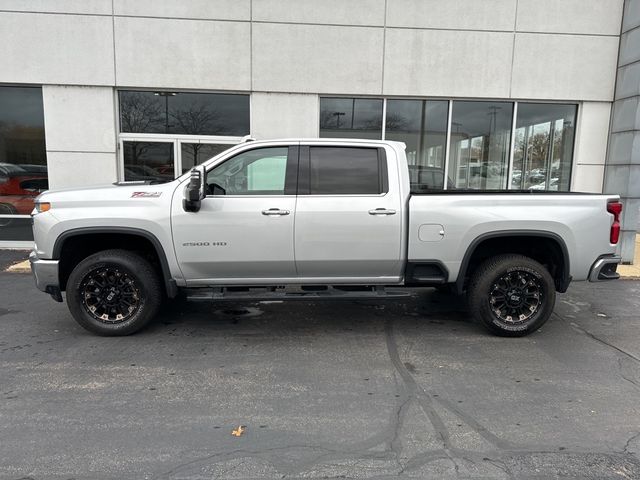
pixel 19 186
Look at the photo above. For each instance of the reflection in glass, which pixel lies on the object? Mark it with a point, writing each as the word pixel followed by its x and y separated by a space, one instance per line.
pixel 351 118
pixel 422 126
pixel 184 113
pixel 148 161
pixel 543 149
pixel 480 143
pixel 193 154
pixel 23 159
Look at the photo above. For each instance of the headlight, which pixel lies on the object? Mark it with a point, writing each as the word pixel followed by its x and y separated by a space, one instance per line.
pixel 42 207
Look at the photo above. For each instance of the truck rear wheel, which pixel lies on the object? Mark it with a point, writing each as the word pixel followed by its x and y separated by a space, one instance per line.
pixel 511 295
pixel 114 292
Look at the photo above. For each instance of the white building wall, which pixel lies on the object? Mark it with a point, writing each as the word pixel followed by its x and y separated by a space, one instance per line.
pixel 80 135
pixel 280 115
pixel 591 147
pixel 503 49
pixel 176 53
pixel 56 49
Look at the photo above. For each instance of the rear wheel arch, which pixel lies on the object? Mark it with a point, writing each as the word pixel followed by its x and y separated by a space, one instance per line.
pixel 72 246
pixel 548 248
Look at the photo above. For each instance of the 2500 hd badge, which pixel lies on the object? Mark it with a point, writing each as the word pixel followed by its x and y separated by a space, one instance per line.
pixel 204 244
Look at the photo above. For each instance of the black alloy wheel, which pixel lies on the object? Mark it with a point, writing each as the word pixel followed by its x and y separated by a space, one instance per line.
pixel 511 295
pixel 110 295
pixel 516 296
pixel 114 292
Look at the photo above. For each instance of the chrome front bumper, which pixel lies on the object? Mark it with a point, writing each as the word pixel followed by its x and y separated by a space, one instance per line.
pixel 45 273
pixel 605 269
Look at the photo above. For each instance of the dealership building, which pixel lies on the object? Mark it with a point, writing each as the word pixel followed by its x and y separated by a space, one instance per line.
pixel 486 94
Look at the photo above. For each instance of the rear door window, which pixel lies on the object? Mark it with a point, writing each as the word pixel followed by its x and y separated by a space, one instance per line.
pixel 346 171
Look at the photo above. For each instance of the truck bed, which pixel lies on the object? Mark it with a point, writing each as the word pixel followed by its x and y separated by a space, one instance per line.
pixel 446 224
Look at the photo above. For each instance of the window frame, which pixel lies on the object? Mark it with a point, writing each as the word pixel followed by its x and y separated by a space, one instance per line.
pixel 304 172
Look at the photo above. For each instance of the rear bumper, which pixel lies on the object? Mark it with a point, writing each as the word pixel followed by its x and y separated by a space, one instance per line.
pixel 605 269
pixel 45 274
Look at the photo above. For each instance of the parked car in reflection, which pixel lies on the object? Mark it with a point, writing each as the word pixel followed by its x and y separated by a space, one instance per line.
pixel 19 186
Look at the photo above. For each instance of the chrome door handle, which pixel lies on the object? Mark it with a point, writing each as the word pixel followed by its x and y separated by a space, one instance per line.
pixel 382 211
pixel 274 212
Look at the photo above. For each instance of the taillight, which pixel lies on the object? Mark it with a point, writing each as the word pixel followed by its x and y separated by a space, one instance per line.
pixel 614 208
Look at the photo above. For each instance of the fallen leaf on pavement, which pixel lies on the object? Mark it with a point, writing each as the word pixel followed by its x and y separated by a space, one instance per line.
pixel 238 431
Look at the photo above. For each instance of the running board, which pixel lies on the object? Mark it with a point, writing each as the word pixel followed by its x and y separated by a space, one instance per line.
pixel 291 293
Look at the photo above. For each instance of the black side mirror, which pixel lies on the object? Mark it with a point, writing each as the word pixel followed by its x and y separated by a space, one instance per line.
pixel 194 192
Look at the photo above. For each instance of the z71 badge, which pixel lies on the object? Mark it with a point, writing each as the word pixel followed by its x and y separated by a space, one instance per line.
pixel 145 194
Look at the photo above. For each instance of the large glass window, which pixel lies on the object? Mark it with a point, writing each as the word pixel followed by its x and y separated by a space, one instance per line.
pixel 164 134
pixel 543 150
pixel 422 126
pixel 480 144
pixel 23 159
pixel 351 118
pixel 480 148
pixel 344 170
pixel 255 172
pixel 184 113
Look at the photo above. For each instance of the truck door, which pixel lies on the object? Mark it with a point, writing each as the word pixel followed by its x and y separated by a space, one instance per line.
pixel 244 229
pixel 349 214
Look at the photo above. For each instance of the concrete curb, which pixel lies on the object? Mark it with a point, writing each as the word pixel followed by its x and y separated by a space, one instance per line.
pixel 20 267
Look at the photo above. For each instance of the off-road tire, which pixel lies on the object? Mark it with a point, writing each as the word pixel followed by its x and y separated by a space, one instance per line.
pixel 528 299
pixel 130 277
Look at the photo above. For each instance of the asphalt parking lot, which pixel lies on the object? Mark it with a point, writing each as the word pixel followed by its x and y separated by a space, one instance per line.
pixel 408 389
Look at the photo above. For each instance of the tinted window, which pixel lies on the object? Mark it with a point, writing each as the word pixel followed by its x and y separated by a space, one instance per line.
pixel 256 172
pixel 351 118
pixel 184 113
pixel 340 170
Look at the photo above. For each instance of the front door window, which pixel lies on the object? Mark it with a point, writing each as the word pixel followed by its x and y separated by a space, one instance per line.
pixel 256 172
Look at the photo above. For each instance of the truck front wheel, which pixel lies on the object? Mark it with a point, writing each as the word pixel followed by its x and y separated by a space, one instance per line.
pixel 511 295
pixel 114 292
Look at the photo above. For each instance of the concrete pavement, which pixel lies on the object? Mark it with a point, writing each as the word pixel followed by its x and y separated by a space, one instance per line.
pixel 408 389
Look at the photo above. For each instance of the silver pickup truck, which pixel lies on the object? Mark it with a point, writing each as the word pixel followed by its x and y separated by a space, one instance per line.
pixel 316 219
